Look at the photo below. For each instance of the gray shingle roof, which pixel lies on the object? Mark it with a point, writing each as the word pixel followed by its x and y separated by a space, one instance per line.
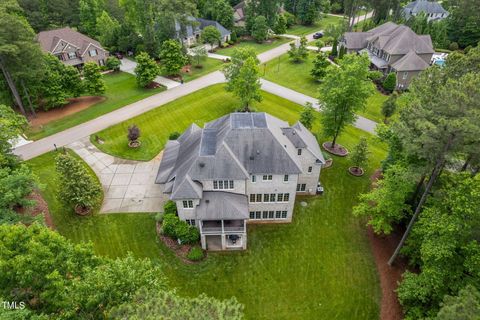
pixel 218 205
pixel 425 6
pixel 232 147
pixel 49 39
pixel 410 62
pixel 198 24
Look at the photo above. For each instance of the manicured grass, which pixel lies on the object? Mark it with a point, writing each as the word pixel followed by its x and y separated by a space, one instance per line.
pixel 112 235
pixel 300 30
pixel 156 125
pixel 121 91
pixel 208 65
pixel 296 76
pixel 318 267
pixel 258 47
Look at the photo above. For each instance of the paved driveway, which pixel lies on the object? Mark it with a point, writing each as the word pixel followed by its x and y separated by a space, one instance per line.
pixel 129 186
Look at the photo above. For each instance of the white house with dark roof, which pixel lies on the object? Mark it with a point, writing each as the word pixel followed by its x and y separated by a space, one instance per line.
pixel 72 47
pixel 432 10
pixel 241 168
pixel 392 48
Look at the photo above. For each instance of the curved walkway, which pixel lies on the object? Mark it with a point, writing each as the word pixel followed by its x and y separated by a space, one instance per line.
pixel 129 186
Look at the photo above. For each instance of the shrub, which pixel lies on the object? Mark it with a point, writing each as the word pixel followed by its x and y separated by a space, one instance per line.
pixel 77 186
pixel 453 46
pixel 195 254
pixel 169 224
pixel 133 133
pixel 113 63
pixel 92 79
pixel 233 37
pixel 319 43
pixel 328 40
pixel 174 135
pixel 159 217
pixel 186 233
pixel 390 82
pixel 375 75
pixel 260 29
pixel 290 19
pixel 170 207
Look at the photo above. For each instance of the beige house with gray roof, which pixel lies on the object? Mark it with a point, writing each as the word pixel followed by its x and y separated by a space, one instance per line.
pixel 72 47
pixel 392 48
pixel 241 168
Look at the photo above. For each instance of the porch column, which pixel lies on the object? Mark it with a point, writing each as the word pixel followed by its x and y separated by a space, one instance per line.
pixel 203 241
pixel 224 241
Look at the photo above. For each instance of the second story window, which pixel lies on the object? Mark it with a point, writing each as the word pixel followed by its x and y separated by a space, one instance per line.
pixel 285 178
pixel 299 152
pixel 93 53
pixel 254 178
pixel 267 177
pixel 72 55
pixel 310 169
pixel 223 184
pixel 187 204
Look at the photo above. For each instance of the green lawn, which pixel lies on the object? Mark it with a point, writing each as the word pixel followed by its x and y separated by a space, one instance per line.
pixel 296 76
pixel 112 235
pixel 121 91
pixel 208 65
pixel 318 267
pixel 258 47
pixel 300 30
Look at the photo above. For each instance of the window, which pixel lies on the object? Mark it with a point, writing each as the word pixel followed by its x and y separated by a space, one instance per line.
pixel 284 214
pixel 93 52
pixel 265 215
pixel 301 187
pixel 266 197
pixel 299 152
pixel 259 197
pixel 252 197
pixel 187 204
pixel 258 215
pixel 286 197
pixel 278 214
pixel 310 169
pixel 272 197
pixel 191 222
pixel 267 177
pixel 72 55
pixel 223 184
pixel 405 75
pixel 270 214
pixel 254 179
pixel 252 214
pixel 280 197
pixel 285 178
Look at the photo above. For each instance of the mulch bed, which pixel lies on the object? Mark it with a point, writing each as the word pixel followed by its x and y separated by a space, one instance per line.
pixel 356 171
pixel 337 150
pixel 39 207
pixel 180 250
pixel 153 85
pixel 382 248
pixel 328 163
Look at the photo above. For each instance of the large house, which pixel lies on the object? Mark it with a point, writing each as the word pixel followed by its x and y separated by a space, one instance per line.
pixel 241 168
pixel 72 47
pixel 191 33
pixel 432 10
pixel 239 14
pixel 392 48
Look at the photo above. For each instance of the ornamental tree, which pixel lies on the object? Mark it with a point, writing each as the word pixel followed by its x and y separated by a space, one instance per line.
pixel 198 54
pixel 246 86
pixel 343 92
pixel 211 35
pixel 280 25
pixel 77 187
pixel 172 57
pixel 146 70
pixel 359 155
pixel 93 79
pixel 390 82
pixel 298 53
pixel 238 58
pixel 389 106
pixel 320 64
pixel 307 116
pixel 113 63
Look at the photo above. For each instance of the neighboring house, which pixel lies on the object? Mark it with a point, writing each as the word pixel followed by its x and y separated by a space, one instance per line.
pixel 239 14
pixel 72 47
pixel 392 48
pixel 239 169
pixel 433 10
pixel 191 33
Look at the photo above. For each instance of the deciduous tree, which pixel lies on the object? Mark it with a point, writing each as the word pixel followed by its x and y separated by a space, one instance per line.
pixel 211 35
pixel 93 79
pixel 307 116
pixel 389 106
pixel 246 85
pixel 260 29
pixel 238 58
pixel 172 57
pixel 359 155
pixel 198 54
pixel 146 70
pixel 320 65
pixel 344 92
pixel 298 53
